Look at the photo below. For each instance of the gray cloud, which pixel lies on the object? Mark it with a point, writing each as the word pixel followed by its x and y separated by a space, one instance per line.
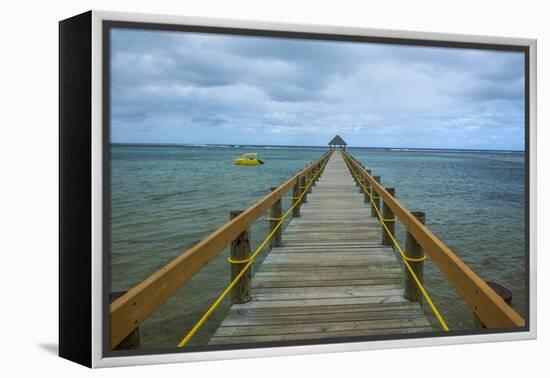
pixel 204 88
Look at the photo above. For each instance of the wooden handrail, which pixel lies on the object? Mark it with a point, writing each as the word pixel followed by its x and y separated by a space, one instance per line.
pixel 130 310
pixel 491 309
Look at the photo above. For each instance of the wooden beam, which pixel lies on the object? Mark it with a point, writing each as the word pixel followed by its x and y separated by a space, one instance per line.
pixel 130 310
pixel 491 309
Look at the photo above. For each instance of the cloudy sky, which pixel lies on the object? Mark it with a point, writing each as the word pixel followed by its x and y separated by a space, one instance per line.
pixel 175 87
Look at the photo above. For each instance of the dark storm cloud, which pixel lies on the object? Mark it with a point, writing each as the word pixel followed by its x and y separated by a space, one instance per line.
pixel 205 88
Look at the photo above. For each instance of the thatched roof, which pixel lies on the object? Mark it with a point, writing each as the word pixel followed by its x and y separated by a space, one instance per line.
pixel 337 141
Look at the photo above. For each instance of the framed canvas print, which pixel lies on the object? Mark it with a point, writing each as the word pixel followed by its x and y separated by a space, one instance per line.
pixel 232 189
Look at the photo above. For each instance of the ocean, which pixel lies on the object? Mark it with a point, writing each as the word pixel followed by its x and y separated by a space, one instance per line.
pixel 165 198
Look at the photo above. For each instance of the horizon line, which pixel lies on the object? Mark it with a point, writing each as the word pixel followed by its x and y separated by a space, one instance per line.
pixel 306 146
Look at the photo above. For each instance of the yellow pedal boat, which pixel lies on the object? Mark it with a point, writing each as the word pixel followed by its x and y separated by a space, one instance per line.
pixel 248 159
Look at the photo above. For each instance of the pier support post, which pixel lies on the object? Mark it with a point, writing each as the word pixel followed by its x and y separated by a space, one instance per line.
pixel 368 187
pixel 361 182
pixel 503 292
pixel 413 250
pixel 303 184
pixel 319 171
pixel 389 220
pixel 375 197
pixel 132 341
pixel 240 250
pixel 314 176
pixel 275 214
pixel 295 196
pixel 308 180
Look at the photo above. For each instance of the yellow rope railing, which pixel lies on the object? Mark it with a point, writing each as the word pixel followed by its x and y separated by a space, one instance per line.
pixel 405 258
pixel 248 263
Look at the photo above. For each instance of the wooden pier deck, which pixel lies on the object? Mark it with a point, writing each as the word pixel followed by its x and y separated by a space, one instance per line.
pixel 332 277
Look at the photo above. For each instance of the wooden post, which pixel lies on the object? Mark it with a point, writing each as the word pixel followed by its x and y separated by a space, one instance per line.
pixel 388 214
pixel 295 196
pixel 132 341
pixel 275 213
pixel 368 186
pixel 361 183
pixel 375 198
pixel 240 250
pixel 503 292
pixel 308 178
pixel 303 184
pixel 319 170
pixel 414 250
pixel 313 174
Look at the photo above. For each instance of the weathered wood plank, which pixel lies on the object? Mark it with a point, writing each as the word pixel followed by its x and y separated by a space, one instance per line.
pixel 320 327
pixel 239 321
pixel 327 309
pixel 330 263
pixel 316 259
pixel 363 250
pixel 314 275
pixel 340 243
pixel 259 284
pixel 322 335
pixel 323 292
pixel 322 302
pixel 307 268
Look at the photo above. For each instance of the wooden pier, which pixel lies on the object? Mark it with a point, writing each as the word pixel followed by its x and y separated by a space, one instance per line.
pixel 332 277
pixel 336 271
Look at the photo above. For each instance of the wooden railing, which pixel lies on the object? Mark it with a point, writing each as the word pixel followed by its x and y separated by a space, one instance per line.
pixel 134 307
pixel 486 304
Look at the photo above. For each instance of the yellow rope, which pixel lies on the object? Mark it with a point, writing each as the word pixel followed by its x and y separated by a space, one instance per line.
pixel 248 263
pixel 408 266
pixel 274 219
pixel 419 259
pixel 238 262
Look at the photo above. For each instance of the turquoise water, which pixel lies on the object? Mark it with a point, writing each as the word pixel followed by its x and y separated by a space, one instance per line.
pixel 167 198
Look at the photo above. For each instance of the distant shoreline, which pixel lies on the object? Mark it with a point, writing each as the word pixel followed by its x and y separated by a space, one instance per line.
pixel 395 149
